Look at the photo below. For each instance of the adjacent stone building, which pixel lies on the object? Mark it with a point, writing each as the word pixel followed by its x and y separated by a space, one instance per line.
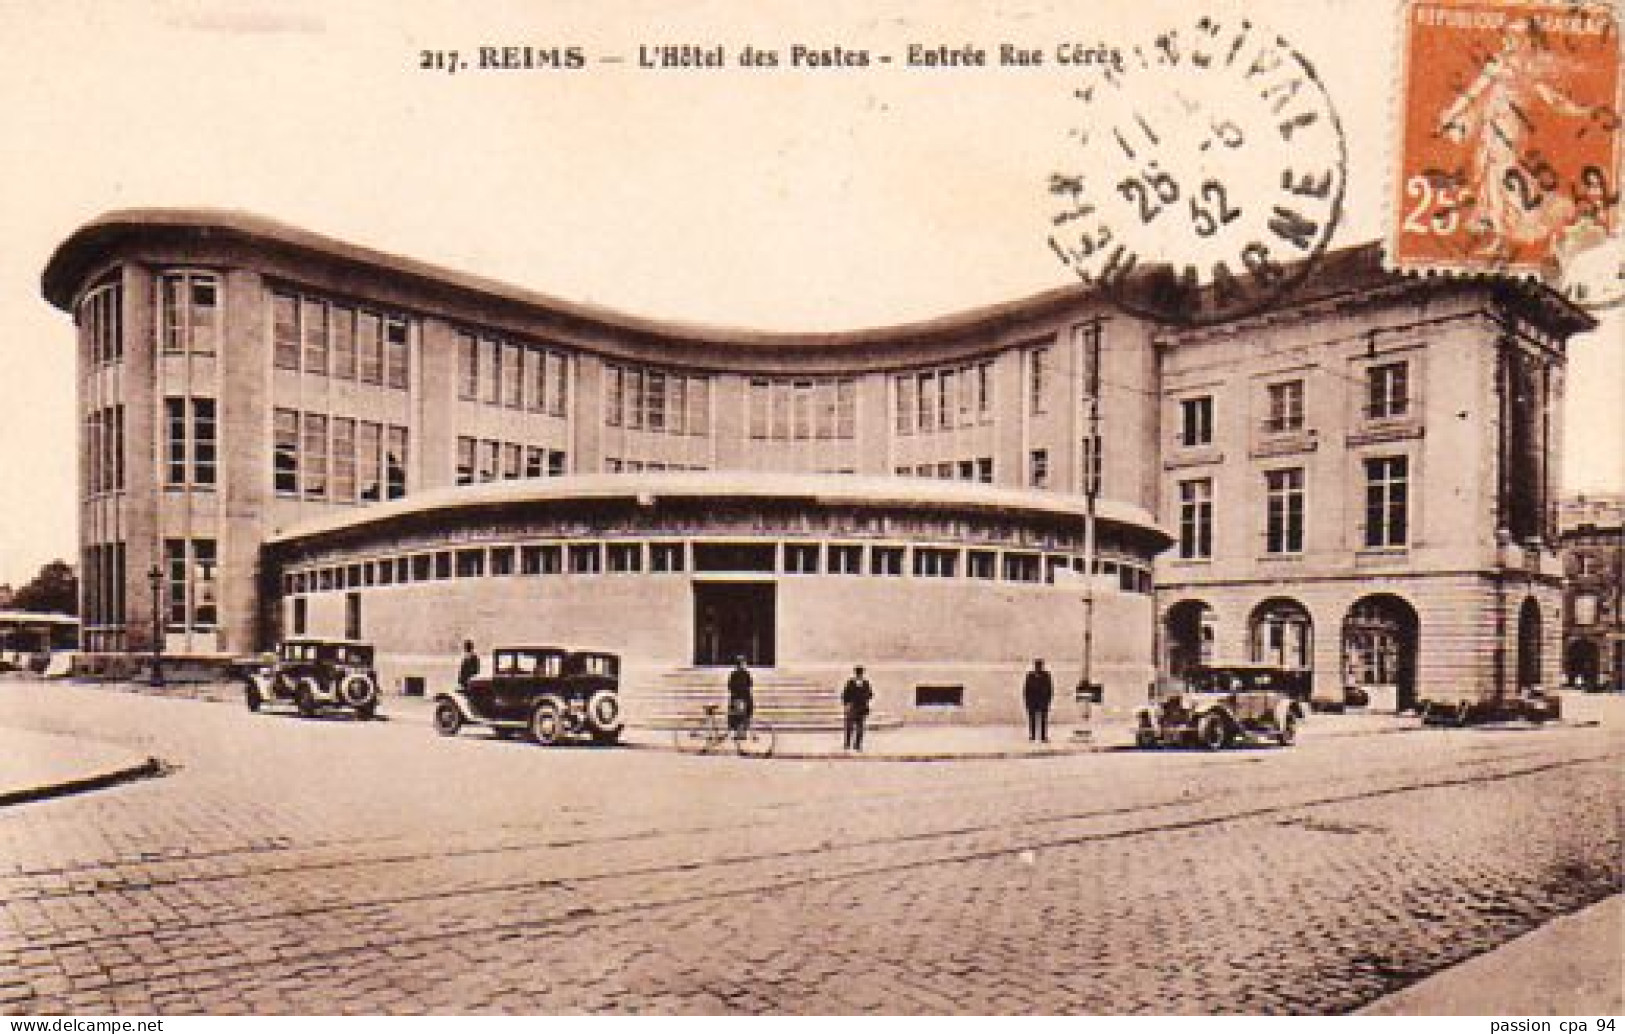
pixel 1593 543
pixel 285 433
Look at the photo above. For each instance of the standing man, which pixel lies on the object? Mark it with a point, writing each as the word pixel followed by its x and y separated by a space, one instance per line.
pixel 1038 691
pixel 741 702
pixel 470 668
pixel 855 699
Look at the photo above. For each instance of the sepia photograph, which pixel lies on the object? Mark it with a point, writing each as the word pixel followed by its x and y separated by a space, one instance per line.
pixel 899 508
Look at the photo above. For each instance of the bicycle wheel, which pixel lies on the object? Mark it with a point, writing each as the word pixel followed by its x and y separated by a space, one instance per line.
pixel 695 738
pixel 757 742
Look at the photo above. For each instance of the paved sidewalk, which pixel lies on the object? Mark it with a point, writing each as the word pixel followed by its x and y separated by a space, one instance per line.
pixel 1569 967
pixel 35 766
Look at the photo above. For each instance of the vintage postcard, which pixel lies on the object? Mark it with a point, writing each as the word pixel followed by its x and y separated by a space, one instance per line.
pixel 871 508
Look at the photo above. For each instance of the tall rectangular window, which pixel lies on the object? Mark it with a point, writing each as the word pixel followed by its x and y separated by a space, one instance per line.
pixel 397 355
pixel 190 570
pixel 116 450
pixel 654 416
pixel 926 403
pixel 465 460
pixel 204 449
pixel 1388 390
pixel 1286 407
pixel 395 460
pixel 343 339
pixel 285 331
pixel 555 463
pixel 175 441
pixel 1038 468
pixel 759 402
pixel 636 399
pixel 189 442
pixel 1196 519
pixel 846 408
pixel 285 451
pixel 343 459
pixel 1038 375
pixel 370 348
pixel 984 390
pixel 368 460
pixel 314 460
pixel 313 322
pixel 1387 501
pixel 205 608
pixel 491 370
pixel 513 385
pixel 904 389
pixel 490 458
pixel 558 386
pixel 1283 491
pixel 1196 421
pixel 535 461
pixel 947 391
pixel 175 584
pixel 614 395
pixel 699 406
pixel 188 318
pixel 468 366
pixel 101 323
pixel 512 460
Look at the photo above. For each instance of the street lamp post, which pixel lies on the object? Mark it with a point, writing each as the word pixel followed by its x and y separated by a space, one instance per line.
pixel 156 578
pixel 1087 691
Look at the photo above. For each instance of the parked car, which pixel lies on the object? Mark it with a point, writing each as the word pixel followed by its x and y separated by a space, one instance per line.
pixel 314 674
pixel 1530 704
pixel 550 693
pixel 1220 705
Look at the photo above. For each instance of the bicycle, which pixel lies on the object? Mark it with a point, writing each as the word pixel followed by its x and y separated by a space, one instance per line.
pixel 711 732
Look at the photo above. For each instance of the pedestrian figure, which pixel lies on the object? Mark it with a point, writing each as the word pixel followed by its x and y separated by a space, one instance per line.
pixel 1038 691
pixel 741 702
pixel 855 698
pixel 470 668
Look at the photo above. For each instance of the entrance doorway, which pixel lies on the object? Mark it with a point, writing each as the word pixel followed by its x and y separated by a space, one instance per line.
pixel 1528 644
pixel 1380 637
pixel 734 619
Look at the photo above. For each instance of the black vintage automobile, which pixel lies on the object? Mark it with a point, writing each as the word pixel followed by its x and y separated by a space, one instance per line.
pixel 551 694
pixel 314 674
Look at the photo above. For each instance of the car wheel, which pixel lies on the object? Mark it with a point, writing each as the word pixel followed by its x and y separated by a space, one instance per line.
pixel 547 722
pixel 304 697
pixel 604 713
pixel 448 717
pixel 251 696
pixel 1213 732
pixel 1288 733
pixel 359 691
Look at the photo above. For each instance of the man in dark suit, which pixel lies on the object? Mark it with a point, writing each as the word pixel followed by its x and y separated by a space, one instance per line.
pixel 741 699
pixel 470 668
pixel 855 698
pixel 1038 691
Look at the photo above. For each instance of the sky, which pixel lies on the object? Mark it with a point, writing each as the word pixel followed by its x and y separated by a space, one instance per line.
pixel 791 198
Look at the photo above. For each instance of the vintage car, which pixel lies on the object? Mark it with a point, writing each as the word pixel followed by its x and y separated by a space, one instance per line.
pixel 1218 706
pixel 1530 704
pixel 314 674
pixel 549 693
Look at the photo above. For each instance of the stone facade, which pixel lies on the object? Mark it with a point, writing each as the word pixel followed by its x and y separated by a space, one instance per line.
pixel 1593 545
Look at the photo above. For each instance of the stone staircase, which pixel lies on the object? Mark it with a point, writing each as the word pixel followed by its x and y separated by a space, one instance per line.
pixel 786 700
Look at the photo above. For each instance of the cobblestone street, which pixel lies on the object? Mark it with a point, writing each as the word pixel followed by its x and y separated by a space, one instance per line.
pixel 335 866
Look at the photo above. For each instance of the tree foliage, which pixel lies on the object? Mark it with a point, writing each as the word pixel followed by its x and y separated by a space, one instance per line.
pixel 54 590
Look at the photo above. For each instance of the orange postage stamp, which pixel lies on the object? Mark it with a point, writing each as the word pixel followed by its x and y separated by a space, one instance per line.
pixel 1508 159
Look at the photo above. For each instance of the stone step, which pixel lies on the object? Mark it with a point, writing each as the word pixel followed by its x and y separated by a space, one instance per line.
pixel 788 701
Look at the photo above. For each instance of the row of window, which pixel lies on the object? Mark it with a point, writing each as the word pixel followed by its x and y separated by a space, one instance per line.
pixel 342 341
pixel 189 313
pixel 978 469
pixel 339 458
pixel 512 374
pixel 648 399
pixel 190 567
pixel 795 558
pixel 941 399
pixel 1387 509
pixel 484 459
pixel 103 591
pixel 101 323
pixel 617 465
pixel 104 450
pixel 1387 397
pixel 802 409
pixel 191 452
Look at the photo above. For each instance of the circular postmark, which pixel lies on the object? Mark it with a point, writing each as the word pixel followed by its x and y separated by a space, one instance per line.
pixel 1207 174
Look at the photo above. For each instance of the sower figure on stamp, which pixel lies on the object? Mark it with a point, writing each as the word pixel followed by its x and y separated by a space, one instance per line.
pixel 469 669
pixel 855 698
pixel 741 701
pixel 1038 691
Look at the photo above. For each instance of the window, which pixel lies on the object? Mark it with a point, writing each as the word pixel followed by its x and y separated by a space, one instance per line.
pixel 313 323
pixel 800 558
pixel 930 562
pixel 370 348
pixel 395 460
pixel 1196 519
pixel 190 565
pixel 1037 373
pixel 1038 468
pixel 101 322
pixel 535 462
pixel 1388 390
pixel 541 560
pixel 1387 489
pixel 585 558
pixel 188 313
pixel 512 375
pixel 352 615
pixel 343 342
pixel 470 563
pixel 1021 567
pixel 1196 421
pixel 939 696
pixel 1283 490
pixel 512 460
pixel 558 389
pixel 984 390
pixel 368 460
pixel 925 386
pixel 397 358
pixel 1286 407
pixel 301 615
pixel 904 394
pixel 386 572
pixel 104 450
pixel 981 563
pixel 666 557
pixel 285 331
pixel 468 366
pixel 886 561
pixel 465 460
pixel 285 451
pixel 343 459
pixel 190 448
pixel 984 469
pixel 845 559
pixel 624 557
pixel 315 456
pixel 555 463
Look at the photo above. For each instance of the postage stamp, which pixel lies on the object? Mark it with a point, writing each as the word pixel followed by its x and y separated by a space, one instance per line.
pixel 1207 174
pixel 1508 155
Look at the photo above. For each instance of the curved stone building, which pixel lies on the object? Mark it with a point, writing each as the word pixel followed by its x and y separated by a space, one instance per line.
pixel 288 433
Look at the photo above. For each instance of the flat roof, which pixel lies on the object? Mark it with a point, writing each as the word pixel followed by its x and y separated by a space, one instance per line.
pixel 646 489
